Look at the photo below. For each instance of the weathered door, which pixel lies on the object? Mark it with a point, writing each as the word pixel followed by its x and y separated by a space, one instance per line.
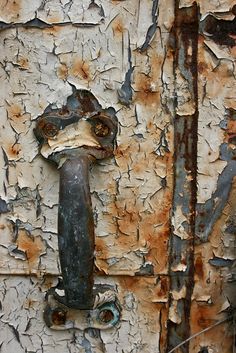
pixel 164 206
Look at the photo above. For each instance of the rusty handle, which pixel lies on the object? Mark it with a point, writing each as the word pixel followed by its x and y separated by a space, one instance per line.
pixel 76 233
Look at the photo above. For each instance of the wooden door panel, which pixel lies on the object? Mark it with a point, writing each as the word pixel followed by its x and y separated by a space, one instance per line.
pixel 164 206
pixel 131 193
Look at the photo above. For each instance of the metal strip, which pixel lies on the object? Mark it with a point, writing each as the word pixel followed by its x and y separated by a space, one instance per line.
pixel 181 263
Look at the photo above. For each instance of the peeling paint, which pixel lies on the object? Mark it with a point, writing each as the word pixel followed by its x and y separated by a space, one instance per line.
pixel 165 216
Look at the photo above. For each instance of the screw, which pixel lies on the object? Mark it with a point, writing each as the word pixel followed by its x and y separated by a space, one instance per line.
pixel 58 316
pixel 50 130
pixel 101 130
pixel 106 316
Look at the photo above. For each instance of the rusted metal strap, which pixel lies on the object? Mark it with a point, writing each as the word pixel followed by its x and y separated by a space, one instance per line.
pixel 181 263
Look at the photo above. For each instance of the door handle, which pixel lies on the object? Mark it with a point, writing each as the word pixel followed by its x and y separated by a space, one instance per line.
pixel 73 138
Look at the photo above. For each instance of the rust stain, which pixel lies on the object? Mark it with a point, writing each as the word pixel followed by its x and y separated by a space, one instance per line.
pixel 13 151
pixel 2 226
pixel 163 333
pixel 100 248
pixel 199 270
pixel 80 69
pixel 23 63
pixel 117 27
pixel 62 72
pixel 48 282
pixel 203 316
pixel 218 337
pixel 230 133
pixel 10 7
pixel 32 246
pixel 15 112
pixel 164 287
pixel 54 19
pixel 145 91
pixel 52 30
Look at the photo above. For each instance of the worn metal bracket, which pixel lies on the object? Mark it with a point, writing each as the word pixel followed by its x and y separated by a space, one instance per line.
pixel 105 314
pixel 73 138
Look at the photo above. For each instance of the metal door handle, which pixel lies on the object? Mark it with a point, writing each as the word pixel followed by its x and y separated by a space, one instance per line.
pixel 73 137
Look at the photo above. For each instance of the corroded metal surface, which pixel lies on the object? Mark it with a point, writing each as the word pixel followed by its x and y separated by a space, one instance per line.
pixel 184 200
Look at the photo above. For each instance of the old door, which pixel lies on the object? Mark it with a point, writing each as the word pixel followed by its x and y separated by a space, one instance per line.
pixel 164 205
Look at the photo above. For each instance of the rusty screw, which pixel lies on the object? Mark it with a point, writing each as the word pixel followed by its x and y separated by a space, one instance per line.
pixel 58 316
pixel 50 130
pixel 106 316
pixel 101 130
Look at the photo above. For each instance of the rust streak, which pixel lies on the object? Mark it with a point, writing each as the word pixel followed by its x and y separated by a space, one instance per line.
pixel 80 69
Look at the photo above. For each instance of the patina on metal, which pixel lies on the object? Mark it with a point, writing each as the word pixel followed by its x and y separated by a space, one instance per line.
pixel 181 271
pixel 73 137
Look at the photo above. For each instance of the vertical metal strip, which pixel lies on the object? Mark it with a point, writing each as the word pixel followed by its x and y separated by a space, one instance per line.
pixel 181 260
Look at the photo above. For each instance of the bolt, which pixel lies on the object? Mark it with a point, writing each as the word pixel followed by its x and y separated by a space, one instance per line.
pixel 101 130
pixel 50 130
pixel 106 316
pixel 58 316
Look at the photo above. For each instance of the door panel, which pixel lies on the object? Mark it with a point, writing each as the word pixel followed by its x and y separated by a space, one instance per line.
pixel 164 206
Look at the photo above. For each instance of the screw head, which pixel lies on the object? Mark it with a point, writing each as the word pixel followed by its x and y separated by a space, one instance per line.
pixel 58 316
pixel 50 130
pixel 101 129
pixel 106 316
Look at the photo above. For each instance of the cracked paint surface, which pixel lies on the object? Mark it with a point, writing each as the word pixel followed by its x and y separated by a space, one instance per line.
pixel 125 54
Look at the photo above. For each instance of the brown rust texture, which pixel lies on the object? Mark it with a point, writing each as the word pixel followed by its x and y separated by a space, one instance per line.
pixel 80 68
pixel 183 212
pixel 32 246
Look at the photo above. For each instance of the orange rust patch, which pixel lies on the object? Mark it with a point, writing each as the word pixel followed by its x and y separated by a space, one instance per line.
pixel 100 248
pixel 15 112
pixel 62 72
pixel 164 287
pixel 13 151
pixel 117 27
pixel 202 67
pixel 80 69
pixel 145 86
pixel 230 133
pixel 146 289
pixel 145 92
pixel 10 7
pixel 48 282
pixel 203 316
pixel 163 333
pixel 23 63
pixel 2 226
pixel 199 271
pixel 33 247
